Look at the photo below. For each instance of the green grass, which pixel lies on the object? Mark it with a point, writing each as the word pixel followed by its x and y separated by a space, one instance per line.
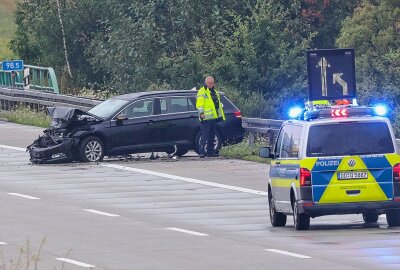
pixel 26 116
pixel 7 28
pixel 5 52
pixel 244 151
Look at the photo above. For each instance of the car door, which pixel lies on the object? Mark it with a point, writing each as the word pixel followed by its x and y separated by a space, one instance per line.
pixel 137 131
pixel 177 120
pixel 284 169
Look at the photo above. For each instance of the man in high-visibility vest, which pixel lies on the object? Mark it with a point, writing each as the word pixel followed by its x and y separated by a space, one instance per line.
pixel 210 109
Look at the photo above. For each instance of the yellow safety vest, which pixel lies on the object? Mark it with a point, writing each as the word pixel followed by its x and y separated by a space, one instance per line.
pixel 205 104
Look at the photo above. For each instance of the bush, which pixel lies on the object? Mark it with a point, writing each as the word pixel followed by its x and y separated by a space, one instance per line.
pixel 26 116
pixel 244 151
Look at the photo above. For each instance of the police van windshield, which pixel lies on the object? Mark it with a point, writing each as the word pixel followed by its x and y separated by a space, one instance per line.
pixel 349 138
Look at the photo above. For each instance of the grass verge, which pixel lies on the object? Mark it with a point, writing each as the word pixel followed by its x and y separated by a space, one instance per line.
pixel 244 151
pixel 7 28
pixel 26 116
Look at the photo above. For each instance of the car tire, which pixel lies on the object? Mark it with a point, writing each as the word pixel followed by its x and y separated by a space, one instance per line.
pixel 301 221
pixel 277 219
pixel 393 218
pixel 217 146
pixel 91 149
pixel 370 217
pixel 179 152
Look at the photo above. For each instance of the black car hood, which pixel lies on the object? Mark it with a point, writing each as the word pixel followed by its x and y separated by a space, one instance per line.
pixel 62 116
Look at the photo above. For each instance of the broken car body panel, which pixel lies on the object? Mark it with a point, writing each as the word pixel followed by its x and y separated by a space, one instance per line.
pixel 57 142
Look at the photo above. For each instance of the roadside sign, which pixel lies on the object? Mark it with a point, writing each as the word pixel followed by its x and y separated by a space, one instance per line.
pixel 15 65
pixel 331 74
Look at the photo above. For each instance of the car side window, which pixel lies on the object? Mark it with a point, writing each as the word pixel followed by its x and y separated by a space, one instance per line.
pixel 139 108
pixel 191 104
pixel 291 142
pixel 176 105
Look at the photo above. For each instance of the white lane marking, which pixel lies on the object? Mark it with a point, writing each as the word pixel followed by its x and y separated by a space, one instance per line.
pixel 3 243
pixel 76 262
pixel 165 175
pixel 190 180
pixel 12 148
pixel 289 253
pixel 186 231
pixel 101 213
pixel 24 196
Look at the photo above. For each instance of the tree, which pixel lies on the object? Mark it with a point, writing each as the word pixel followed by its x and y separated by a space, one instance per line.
pixel 39 37
pixel 373 31
pixel 325 17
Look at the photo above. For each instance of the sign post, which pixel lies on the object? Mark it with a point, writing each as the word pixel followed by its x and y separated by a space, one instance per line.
pixel 27 80
pixel 331 74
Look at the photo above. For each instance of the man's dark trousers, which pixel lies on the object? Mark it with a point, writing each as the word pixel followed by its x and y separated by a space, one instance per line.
pixel 207 128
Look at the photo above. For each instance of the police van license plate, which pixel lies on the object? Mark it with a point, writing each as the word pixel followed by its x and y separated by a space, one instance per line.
pixel 352 175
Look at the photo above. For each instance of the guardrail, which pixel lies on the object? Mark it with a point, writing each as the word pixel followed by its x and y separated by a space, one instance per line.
pixel 269 127
pixel 11 97
pixel 31 78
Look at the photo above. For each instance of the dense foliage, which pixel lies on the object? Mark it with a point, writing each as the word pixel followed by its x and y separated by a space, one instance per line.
pixel 254 48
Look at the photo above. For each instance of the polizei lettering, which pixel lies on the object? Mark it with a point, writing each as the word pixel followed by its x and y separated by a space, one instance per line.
pixel 326 163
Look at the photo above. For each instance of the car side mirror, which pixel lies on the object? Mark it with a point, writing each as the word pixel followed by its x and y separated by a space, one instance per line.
pixel 265 152
pixel 121 117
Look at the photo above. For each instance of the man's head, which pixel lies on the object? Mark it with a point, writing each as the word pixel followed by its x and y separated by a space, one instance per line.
pixel 209 82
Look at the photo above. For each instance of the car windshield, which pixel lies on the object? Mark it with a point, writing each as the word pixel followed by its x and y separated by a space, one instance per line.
pixel 349 138
pixel 108 108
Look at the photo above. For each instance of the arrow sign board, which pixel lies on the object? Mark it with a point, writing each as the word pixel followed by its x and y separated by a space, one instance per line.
pixel 331 74
pixel 15 65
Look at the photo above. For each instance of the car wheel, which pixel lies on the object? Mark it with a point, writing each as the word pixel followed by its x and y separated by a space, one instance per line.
pixel 91 149
pixel 277 219
pixel 301 221
pixel 370 217
pixel 179 152
pixel 217 142
pixel 393 218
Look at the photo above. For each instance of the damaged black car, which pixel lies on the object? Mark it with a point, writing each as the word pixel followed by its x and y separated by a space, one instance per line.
pixel 62 140
pixel 133 123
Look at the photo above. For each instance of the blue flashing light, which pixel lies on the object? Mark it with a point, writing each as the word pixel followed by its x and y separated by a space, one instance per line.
pixel 380 110
pixel 295 112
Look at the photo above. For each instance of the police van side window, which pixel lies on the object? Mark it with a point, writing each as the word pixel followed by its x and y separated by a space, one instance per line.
pixel 295 142
pixel 278 143
pixel 291 142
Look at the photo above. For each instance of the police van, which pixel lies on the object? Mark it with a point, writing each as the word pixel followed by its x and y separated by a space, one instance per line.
pixel 335 160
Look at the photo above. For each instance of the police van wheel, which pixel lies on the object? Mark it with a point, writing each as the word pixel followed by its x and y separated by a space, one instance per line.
pixel 370 217
pixel 277 219
pixel 393 218
pixel 301 221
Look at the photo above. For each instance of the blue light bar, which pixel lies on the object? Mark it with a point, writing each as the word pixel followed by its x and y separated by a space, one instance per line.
pixel 380 110
pixel 295 112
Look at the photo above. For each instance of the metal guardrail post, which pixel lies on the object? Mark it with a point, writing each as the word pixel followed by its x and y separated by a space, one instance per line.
pixel 251 138
pixel 262 126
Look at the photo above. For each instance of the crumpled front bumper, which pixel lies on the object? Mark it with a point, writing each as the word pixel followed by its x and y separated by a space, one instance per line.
pixel 51 154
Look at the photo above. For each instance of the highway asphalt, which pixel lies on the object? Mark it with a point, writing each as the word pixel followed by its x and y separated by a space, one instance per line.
pixel 164 214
